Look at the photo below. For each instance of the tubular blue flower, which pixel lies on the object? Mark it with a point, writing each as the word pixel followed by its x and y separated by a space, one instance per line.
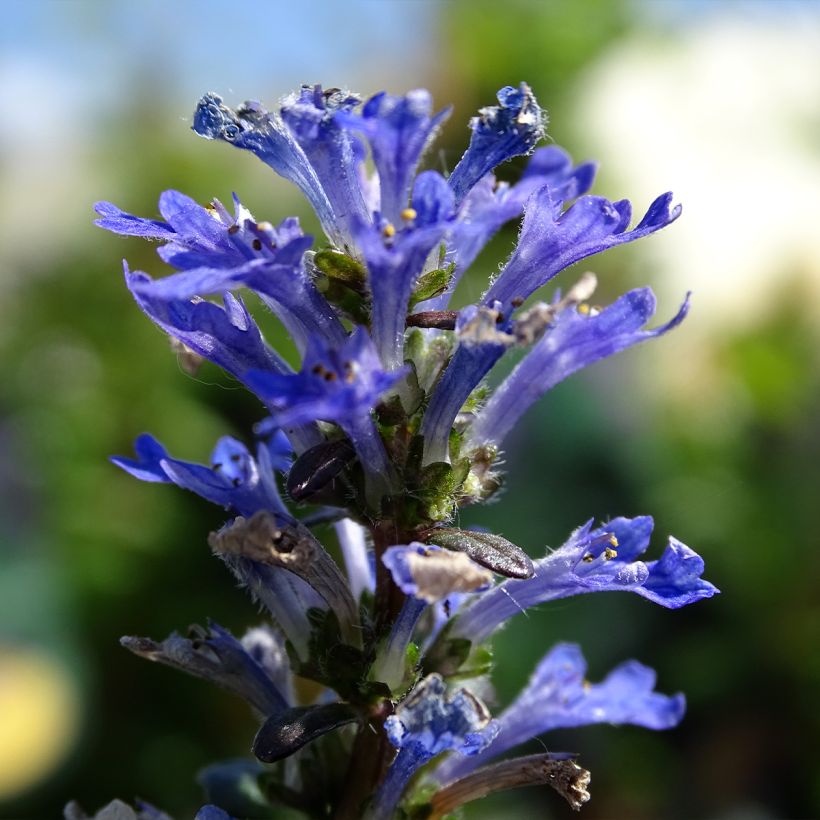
pixel 226 336
pixel 265 134
pixel 399 129
pixel 311 116
pixel 389 452
pixel 551 240
pixel 395 259
pixel 548 243
pixel 391 662
pixel 500 132
pixel 427 724
pixel 215 655
pixel 235 480
pixel 286 289
pixel 339 385
pixel 559 697
pixel 481 345
pixel 576 340
pixel 198 236
pixel 490 204
pixel 593 560
pixel 218 252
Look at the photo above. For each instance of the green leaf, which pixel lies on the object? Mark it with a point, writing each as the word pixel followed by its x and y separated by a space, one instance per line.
pixel 432 283
pixel 342 268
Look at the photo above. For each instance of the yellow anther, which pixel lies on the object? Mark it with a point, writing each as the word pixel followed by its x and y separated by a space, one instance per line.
pixel 408 214
pixel 389 230
pixel 610 553
pixel 583 309
pixel 613 540
pixel 265 226
pixel 588 558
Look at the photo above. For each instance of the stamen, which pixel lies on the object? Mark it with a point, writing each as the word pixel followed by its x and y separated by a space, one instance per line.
pixel 257 244
pixel 408 214
pixel 233 229
pixel 389 230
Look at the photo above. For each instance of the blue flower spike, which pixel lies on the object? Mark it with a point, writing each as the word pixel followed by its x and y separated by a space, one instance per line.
pixel 381 429
pixel 429 723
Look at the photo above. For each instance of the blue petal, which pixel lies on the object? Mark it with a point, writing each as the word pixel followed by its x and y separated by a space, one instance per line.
pixel 225 662
pixel 491 203
pixel 287 290
pixel 574 341
pixel 399 129
pixel 118 221
pixel 501 132
pixel 592 560
pixel 235 480
pixel 431 721
pixel 339 385
pixel 551 241
pixel 394 263
pixel 264 134
pixel 674 580
pixel 226 336
pixel 310 116
pixel 148 464
pixel 558 697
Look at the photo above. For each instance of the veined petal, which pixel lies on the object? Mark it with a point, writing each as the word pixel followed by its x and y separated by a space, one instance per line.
pixel 490 204
pixel 286 289
pixel 558 696
pixel 198 236
pixel 264 134
pixel 551 241
pixel 592 560
pixel 339 385
pixel 310 115
pixel 575 341
pixel 428 723
pixel 226 336
pixel 215 655
pixel 475 356
pixel 500 132
pixel 118 221
pixel 234 480
pixel 399 129
pixel 395 259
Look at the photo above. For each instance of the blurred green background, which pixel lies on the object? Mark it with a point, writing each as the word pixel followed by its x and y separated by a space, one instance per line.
pixel 713 430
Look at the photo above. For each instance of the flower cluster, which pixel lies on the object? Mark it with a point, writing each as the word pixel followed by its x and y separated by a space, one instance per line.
pixel 386 429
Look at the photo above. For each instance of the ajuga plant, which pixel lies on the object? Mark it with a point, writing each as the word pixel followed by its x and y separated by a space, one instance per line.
pixel 387 429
